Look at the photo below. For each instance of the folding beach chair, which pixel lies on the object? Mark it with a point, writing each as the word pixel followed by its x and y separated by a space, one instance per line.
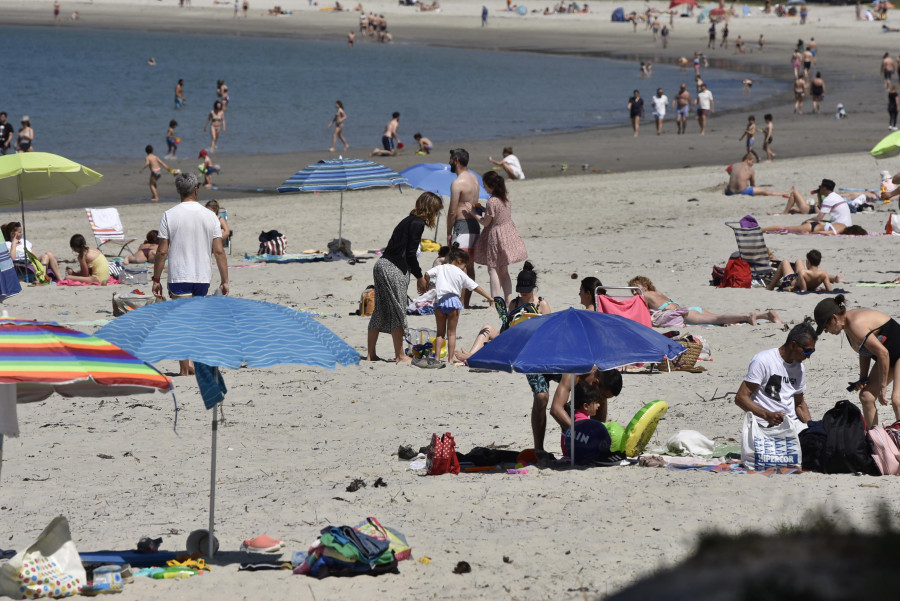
pixel 107 227
pixel 633 307
pixel 752 248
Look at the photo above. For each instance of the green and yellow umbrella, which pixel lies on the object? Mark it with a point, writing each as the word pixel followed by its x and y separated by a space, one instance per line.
pixel 888 147
pixel 38 175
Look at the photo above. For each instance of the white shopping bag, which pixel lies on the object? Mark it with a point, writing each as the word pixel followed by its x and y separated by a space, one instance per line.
pixel 775 446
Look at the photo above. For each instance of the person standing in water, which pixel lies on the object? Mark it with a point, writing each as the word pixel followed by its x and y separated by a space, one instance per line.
pixel 338 122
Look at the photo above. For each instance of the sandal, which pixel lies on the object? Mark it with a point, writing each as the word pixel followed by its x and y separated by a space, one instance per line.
pixel 262 544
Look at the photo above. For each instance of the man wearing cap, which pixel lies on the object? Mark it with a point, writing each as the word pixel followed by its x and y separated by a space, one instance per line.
pixel 188 233
pixel 743 180
pixel 775 382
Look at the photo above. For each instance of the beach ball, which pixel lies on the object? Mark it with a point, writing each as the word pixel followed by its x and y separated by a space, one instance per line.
pixel 591 441
pixel 616 435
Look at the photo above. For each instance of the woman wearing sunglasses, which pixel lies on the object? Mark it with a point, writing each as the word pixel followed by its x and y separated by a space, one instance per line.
pixel 775 382
pixel 874 336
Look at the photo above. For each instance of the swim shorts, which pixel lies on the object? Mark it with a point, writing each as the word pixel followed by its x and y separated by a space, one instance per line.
pixel 748 191
pixel 540 383
pixel 185 289
pixel 807 65
pixel 749 143
pixel 465 232
pixel 387 143
pixel 702 112
pixel 661 115
pixel 683 111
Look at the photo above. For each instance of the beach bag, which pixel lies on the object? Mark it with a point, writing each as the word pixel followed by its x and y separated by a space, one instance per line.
pixel 772 447
pixel 367 301
pixel 847 448
pixel 51 567
pixel 272 243
pixel 737 274
pixel 396 540
pixel 893 224
pixel 441 457
pixel 129 301
pixel 885 452
pixel 115 270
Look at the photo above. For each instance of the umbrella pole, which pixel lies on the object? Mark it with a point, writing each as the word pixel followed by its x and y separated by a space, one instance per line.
pixel 1 454
pixel 341 221
pixel 24 237
pixel 212 488
pixel 572 418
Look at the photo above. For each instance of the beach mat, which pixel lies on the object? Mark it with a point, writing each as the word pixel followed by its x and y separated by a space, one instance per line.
pixel 295 258
pixel 133 558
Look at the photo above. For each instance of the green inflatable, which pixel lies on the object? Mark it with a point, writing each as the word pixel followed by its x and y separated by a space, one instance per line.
pixel 617 435
pixel 642 427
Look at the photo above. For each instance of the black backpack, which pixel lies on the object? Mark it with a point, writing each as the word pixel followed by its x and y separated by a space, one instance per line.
pixel 847 449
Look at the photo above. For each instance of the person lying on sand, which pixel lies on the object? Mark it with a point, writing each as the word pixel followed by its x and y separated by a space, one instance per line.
pixel 743 180
pixel 666 313
pixel 804 276
pixel 833 216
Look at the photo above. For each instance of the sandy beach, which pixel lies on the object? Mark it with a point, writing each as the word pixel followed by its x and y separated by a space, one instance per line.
pixel 296 437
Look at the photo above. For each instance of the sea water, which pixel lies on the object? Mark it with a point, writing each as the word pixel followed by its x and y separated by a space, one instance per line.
pixel 92 97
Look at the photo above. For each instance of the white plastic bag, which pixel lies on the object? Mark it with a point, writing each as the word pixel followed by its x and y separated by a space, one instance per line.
pixel 51 567
pixel 775 446
pixel 690 442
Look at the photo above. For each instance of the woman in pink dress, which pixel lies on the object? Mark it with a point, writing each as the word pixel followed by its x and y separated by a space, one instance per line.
pixel 499 244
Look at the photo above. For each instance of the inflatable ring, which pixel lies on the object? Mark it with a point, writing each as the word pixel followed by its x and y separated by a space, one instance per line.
pixel 616 435
pixel 642 427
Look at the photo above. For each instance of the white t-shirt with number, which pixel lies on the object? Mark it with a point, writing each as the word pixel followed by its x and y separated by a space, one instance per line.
pixel 190 229
pixel 778 382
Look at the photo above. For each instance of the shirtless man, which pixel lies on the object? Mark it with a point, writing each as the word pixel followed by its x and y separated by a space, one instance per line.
pixel 389 138
pixel 808 58
pixel 179 94
pixel 888 66
pixel 462 226
pixel 804 276
pixel 682 105
pixel 156 166
pixel 743 180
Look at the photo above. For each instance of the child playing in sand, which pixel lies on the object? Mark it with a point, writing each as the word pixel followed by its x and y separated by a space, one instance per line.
pixel 93 266
pixel 207 168
pixel 171 141
pixel 450 279
pixel 425 145
pixel 156 166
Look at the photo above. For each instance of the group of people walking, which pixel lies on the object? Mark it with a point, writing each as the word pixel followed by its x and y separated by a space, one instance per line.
pixel 24 140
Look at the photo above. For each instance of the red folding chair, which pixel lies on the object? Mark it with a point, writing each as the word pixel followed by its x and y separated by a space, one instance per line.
pixel 633 307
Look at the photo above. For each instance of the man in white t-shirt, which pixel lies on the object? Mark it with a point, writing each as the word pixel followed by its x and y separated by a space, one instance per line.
pixel 776 380
pixel 510 164
pixel 705 106
pixel 188 233
pixel 834 207
pixel 660 102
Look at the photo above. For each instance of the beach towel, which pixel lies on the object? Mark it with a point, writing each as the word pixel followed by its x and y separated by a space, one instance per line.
pixel 287 258
pixel 74 283
pixel 107 219
pixel 630 307
pixel 735 467
pixel 212 386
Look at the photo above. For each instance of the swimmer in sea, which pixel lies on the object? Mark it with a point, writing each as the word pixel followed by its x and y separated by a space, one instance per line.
pixel 222 93
pixel 156 166
pixel 216 122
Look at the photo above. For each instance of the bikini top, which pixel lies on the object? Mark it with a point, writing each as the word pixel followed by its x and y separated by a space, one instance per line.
pixel 863 351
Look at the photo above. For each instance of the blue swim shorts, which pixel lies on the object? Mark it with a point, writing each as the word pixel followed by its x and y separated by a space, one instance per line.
pixel 748 191
pixel 185 289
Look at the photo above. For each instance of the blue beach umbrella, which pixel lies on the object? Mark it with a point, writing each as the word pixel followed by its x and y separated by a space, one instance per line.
pixel 573 342
pixel 341 174
pixel 223 331
pixel 437 177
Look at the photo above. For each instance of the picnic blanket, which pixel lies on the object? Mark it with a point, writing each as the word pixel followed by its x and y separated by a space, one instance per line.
pixel 287 258
pixel 74 283
pixel 733 467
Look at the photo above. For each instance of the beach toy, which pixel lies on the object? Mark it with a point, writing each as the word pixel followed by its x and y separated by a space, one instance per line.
pixel 642 427
pixel 591 440
pixel 443 348
pixel 400 145
pixel 616 435
pixel 523 317
pixel 198 543
pixel 527 456
pixel 178 140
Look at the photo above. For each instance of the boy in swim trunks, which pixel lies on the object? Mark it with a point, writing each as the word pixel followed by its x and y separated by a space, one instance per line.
pixel 171 140
pixel 156 166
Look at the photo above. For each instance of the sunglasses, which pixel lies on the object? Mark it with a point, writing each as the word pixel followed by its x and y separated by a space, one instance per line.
pixel 808 351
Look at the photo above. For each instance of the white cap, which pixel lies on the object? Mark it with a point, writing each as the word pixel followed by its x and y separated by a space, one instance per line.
pixel 886 174
pixel 840 106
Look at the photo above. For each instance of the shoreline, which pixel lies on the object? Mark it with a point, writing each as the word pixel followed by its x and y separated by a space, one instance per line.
pixel 605 149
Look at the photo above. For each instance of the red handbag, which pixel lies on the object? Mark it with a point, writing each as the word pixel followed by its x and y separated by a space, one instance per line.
pixel 441 457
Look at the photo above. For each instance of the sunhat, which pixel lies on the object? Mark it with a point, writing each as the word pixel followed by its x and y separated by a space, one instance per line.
pixel 26 118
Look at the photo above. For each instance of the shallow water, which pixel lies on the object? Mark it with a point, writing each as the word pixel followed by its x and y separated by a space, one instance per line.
pixel 92 97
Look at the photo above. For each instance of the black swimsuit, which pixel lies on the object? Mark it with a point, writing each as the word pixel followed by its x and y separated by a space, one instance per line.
pixel 888 335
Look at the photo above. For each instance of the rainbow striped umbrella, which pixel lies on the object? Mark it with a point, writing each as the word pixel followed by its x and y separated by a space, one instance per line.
pixel 41 358
pixel 341 174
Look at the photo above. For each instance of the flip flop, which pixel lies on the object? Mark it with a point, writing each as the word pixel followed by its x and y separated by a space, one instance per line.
pixel 262 544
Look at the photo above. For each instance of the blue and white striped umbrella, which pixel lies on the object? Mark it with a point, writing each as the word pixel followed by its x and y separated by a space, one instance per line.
pixel 224 331
pixel 341 174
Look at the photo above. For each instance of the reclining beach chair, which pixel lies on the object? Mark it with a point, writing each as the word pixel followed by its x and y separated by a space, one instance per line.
pixel 752 248
pixel 633 307
pixel 107 227
pixel 227 241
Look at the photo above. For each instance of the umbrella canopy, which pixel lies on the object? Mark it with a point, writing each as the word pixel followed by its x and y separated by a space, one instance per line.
pixel 675 3
pixel 341 174
pixel 888 147
pixel 38 175
pixel 437 177
pixel 574 342
pixel 44 357
pixel 224 331
pixel 9 282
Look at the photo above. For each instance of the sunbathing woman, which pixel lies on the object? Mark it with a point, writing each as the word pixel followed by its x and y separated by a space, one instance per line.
pixel 12 233
pixel 527 301
pixel 587 290
pixel 666 313
pixel 213 206
pixel 147 252
pixel 93 266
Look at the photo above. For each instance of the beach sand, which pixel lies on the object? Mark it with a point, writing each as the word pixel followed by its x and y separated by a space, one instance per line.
pixel 296 437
